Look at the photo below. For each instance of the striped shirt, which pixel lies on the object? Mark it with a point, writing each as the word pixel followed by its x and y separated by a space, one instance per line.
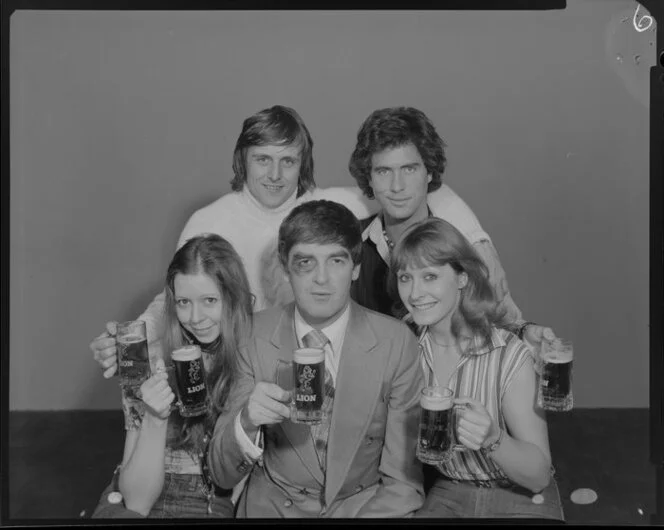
pixel 484 373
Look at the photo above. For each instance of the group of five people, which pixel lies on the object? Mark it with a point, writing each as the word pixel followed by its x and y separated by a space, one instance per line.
pixel 412 294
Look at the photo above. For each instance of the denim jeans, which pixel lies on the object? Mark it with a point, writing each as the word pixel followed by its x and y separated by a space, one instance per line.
pixel 452 498
pixel 182 496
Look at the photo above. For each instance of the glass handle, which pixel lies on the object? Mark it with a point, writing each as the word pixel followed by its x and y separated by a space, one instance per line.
pixel 456 446
pixel 284 375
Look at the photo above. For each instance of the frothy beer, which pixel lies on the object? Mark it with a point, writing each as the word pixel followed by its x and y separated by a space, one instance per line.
pixel 190 380
pixel 309 392
pixel 555 388
pixel 436 420
pixel 133 360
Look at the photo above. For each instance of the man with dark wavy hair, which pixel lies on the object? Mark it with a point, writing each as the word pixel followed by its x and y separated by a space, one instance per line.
pixel 399 159
pixel 359 461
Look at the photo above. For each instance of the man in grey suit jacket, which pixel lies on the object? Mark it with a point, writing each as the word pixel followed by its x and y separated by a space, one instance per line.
pixel 366 465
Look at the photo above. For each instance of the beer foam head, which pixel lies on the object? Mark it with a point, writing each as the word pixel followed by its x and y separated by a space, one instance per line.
pixel 308 355
pixel 557 353
pixel 558 357
pixel 436 398
pixel 130 339
pixel 186 353
pixel 135 326
pixel 436 402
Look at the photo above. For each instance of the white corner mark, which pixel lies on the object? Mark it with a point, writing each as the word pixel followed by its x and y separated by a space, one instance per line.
pixel 638 25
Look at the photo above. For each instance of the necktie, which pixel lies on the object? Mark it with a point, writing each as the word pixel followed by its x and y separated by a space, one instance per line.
pixel 315 339
pixel 320 432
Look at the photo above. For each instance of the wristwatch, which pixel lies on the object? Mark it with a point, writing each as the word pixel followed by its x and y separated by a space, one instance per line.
pixel 522 329
pixel 491 448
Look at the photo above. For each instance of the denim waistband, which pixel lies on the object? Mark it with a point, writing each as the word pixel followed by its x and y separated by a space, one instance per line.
pixel 179 462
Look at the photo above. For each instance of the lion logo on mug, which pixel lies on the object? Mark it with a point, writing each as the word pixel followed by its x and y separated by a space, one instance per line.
pixel 305 378
pixel 194 372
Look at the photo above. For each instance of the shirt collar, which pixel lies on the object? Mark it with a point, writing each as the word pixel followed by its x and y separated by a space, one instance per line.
pixel 335 331
pixel 374 232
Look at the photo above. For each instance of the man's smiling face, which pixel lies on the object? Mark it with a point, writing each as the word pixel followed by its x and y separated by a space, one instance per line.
pixel 273 172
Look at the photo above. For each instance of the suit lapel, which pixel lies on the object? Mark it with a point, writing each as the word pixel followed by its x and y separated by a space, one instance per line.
pixel 298 435
pixel 359 382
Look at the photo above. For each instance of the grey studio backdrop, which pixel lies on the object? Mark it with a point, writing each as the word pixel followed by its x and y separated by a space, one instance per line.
pixel 123 124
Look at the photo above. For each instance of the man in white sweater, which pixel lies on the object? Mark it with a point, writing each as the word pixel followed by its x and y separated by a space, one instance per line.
pixel 273 172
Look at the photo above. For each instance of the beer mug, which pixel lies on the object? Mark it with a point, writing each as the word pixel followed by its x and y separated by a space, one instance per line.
pixel 304 377
pixel 133 359
pixel 437 440
pixel 190 386
pixel 555 382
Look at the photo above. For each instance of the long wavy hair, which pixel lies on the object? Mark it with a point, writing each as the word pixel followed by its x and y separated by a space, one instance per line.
pixel 435 242
pixel 214 256
pixel 395 127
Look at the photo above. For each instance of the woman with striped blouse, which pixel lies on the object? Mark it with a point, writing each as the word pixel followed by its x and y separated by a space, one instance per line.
pixel 505 468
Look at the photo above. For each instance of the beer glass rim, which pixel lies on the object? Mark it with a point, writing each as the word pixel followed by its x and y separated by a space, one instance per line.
pixel 309 352
pixel 558 345
pixel 435 391
pixel 130 323
pixel 188 350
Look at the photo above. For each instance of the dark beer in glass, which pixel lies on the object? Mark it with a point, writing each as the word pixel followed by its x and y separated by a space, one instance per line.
pixel 133 359
pixel 190 381
pixel 435 442
pixel 555 384
pixel 309 385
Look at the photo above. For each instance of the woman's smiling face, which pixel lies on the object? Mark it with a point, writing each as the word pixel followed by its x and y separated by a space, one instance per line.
pixel 198 305
pixel 430 293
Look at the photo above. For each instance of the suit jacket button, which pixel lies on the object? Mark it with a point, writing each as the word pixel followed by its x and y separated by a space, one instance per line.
pixel 288 503
pixel 359 488
pixel 369 440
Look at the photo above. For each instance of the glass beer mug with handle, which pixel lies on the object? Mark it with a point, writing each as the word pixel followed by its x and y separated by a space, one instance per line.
pixel 554 391
pixel 437 439
pixel 305 378
pixel 191 389
pixel 133 360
